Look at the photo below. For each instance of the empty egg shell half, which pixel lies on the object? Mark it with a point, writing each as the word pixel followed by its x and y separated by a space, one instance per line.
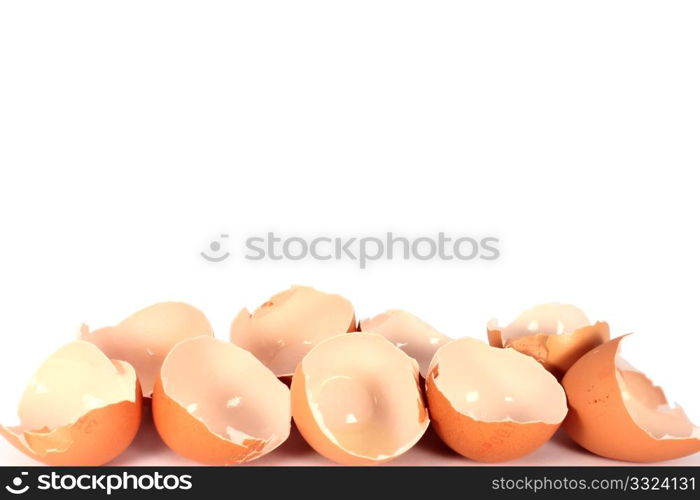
pixel 490 404
pixel 215 403
pixel 282 330
pixel 617 412
pixel 357 401
pixel 145 338
pixel 407 332
pixel 80 409
pixel 556 335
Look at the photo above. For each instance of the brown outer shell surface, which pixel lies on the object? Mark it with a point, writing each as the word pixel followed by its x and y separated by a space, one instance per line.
pixel 556 352
pixel 188 436
pixel 95 439
pixel 483 441
pixel 598 419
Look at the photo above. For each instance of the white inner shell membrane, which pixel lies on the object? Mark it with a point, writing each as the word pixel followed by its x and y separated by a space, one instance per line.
pixel 229 390
pixel 552 319
pixel 145 338
pixel 496 385
pixel 73 381
pixel 410 334
pixel 289 324
pixel 648 407
pixel 363 393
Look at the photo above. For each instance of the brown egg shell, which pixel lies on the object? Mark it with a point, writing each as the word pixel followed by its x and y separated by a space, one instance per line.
pixel 598 419
pixel 175 425
pixel 483 441
pixel 79 409
pixel 513 404
pixel 556 352
pixel 314 434
pixel 95 439
pixel 287 326
pixel 219 388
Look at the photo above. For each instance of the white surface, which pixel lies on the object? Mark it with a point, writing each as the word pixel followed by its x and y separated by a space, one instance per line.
pixel 133 133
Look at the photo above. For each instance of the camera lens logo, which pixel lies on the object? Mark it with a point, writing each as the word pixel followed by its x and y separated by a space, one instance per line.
pixel 16 488
pixel 215 247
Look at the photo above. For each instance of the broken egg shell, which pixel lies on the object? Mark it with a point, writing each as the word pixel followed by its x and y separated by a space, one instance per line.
pixel 409 333
pixel 356 400
pixel 558 353
pixel 145 338
pixel 93 438
pixel 282 330
pixel 556 335
pixel 523 407
pixel 600 421
pixel 206 447
pixel 193 410
pixel 114 427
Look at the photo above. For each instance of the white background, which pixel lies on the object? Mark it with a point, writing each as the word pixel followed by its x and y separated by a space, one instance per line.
pixel 132 133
